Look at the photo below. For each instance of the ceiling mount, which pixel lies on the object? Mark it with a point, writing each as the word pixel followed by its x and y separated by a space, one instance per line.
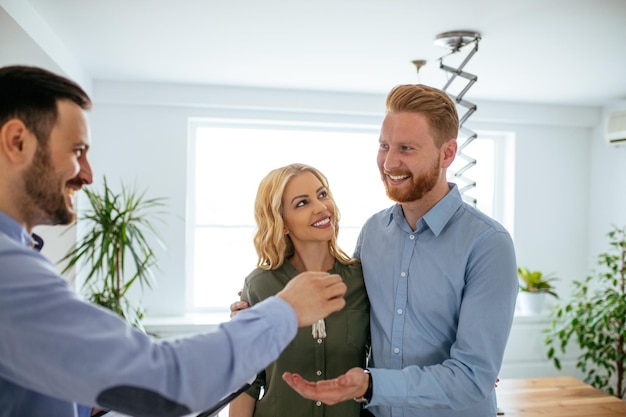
pixel 456 39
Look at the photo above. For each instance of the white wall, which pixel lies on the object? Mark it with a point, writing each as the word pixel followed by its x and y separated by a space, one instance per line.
pixel 607 195
pixel 139 135
pixel 552 168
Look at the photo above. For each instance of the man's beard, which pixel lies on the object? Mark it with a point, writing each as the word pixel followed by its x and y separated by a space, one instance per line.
pixel 44 198
pixel 418 187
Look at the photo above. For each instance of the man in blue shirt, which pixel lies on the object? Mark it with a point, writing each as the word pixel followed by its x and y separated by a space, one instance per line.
pixel 440 275
pixel 57 350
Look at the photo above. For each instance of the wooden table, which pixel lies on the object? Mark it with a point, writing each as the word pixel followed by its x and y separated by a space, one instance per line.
pixel 556 397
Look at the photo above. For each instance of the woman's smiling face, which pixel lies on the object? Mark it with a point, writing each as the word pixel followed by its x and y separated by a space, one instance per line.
pixel 308 211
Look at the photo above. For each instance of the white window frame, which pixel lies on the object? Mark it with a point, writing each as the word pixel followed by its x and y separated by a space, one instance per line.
pixel 503 181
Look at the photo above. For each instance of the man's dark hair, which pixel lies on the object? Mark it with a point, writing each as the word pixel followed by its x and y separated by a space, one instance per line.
pixel 30 94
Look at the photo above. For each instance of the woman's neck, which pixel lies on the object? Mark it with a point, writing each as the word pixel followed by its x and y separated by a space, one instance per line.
pixel 312 259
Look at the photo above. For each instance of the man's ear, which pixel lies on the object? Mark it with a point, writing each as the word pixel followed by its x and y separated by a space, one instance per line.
pixel 448 153
pixel 17 143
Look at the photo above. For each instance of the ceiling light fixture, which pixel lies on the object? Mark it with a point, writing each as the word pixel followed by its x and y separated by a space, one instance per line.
pixel 455 41
pixel 419 63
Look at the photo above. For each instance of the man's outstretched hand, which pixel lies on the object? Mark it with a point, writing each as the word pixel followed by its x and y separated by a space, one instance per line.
pixel 313 296
pixel 352 384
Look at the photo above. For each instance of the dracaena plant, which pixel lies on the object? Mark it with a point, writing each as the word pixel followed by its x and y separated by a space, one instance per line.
pixel 595 319
pixel 116 251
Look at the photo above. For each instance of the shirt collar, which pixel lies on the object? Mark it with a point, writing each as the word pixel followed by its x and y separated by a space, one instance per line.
pixel 437 217
pixel 10 227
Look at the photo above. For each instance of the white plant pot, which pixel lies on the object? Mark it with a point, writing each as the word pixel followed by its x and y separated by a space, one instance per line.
pixel 530 304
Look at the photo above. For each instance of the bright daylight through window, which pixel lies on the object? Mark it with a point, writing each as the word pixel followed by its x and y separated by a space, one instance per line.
pixel 227 163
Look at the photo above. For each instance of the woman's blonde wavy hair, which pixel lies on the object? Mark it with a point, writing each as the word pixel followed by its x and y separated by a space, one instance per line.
pixel 272 245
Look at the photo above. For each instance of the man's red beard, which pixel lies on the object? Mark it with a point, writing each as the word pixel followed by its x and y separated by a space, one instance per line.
pixel 417 188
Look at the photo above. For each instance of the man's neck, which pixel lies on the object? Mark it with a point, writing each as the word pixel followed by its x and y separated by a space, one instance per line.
pixel 415 210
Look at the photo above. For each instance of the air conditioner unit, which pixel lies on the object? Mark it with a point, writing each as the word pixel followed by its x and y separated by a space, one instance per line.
pixel 616 128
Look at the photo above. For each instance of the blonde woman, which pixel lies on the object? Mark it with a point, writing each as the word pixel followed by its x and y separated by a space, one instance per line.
pixel 297 228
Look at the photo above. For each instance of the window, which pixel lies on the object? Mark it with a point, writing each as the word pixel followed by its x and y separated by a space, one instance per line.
pixel 227 160
pixel 493 174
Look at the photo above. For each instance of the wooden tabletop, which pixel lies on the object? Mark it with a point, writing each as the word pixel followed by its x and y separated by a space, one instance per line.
pixel 555 397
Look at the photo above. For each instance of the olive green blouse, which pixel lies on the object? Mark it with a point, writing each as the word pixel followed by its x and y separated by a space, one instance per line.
pixel 345 346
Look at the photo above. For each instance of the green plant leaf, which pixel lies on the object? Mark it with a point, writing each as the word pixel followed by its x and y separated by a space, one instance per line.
pixel 596 315
pixel 116 252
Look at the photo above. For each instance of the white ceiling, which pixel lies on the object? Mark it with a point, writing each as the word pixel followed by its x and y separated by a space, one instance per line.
pixel 537 51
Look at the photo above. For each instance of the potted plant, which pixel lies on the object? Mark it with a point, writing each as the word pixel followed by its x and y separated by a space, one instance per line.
pixel 595 319
pixel 534 286
pixel 119 232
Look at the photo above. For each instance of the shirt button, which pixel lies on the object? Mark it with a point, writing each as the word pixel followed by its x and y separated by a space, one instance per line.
pixel 318 403
pixel 396 350
pixel 403 274
pixel 399 311
pixel 318 373
pixel 411 237
pixel 319 341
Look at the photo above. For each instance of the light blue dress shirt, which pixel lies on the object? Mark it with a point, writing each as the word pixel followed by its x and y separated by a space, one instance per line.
pixel 442 302
pixel 57 350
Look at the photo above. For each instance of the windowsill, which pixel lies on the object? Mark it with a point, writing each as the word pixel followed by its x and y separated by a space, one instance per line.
pixel 170 327
pixel 530 318
pixel 174 326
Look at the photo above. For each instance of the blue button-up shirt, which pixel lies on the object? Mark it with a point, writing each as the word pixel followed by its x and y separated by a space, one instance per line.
pixel 56 350
pixel 442 303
